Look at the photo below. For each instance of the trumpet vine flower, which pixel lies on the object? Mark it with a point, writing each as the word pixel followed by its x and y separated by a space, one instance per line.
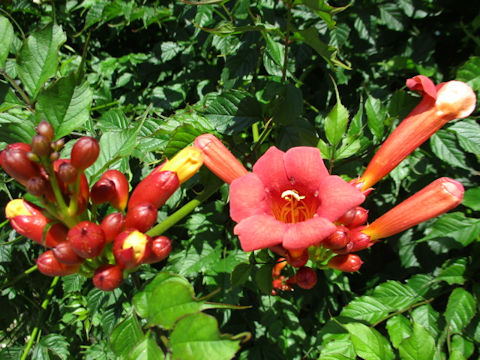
pixel 440 104
pixel 289 199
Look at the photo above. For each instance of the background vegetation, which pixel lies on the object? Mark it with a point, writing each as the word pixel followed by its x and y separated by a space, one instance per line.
pixel 146 77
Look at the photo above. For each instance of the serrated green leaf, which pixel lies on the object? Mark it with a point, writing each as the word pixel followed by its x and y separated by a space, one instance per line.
pixel 196 337
pixel 73 283
pixel 38 58
pixel 146 349
pixel 65 105
pixel 336 124
pixel 232 111
pixel 399 328
pixel 6 39
pixel 51 344
pixel 453 271
pixel 444 145
pixel 366 308
pixel 369 343
pixel 338 350
pixel 468 135
pixel 428 318
pixel 16 126
pixel 391 16
pixel 461 308
pixel 470 73
pixel 457 226
pixel 376 114
pixel 471 198
pixel 183 136
pixel 395 295
pixel 126 336
pixel 419 346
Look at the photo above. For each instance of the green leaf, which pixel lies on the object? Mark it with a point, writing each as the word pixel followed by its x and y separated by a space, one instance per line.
pixel 183 136
pixel 457 226
pixel 366 308
pixel 461 308
pixel 470 73
pixel 471 198
pixel 369 343
pixel 196 337
pixel 65 105
pixel 391 16
pixel 428 318
pixel 6 39
pixel 444 145
pixel 462 345
pixel 263 278
pixel 38 58
pixel 73 283
pixel 376 114
pixel 52 344
pixel 468 135
pixel 126 336
pixel 398 328
pixel 240 274
pixel 419 346
pixel 147 349
pixel 16 126
pixel 338 350
pixel 453 271
pixel 336 124
pixel 232 111
pixel 288 105
pixel 395 295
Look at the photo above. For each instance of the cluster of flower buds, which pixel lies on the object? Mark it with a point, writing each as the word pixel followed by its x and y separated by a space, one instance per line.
pixel 304 277
pixel 62 219
pixel 349 232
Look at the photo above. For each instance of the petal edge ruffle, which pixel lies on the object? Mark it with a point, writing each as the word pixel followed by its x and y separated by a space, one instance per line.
pixel 259 232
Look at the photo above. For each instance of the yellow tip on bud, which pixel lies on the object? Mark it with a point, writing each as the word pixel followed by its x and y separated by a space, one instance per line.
pixel 185 164
pixel 138 242
pixel 15 208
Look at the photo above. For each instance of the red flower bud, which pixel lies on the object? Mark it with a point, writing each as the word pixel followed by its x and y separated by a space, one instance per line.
pixel 131 248
pixel 155 189
pixel 354 217
pixel 87 239
pixel 36 186
pixel 360 240
pixel 84 191
pixel 64 253
pixel 112 225
pixel 306 278
pixel 338 240
pixel 66 172
pixel 15 162
pixel 346 263
pixel 102 191
pixel 120 197
pixel 278 267
pixel 161 246
pixel 108 277
pixel 50 266
pixel 297 258
pixel 41 146
pixel 141 217
pixel 84 153
pixel 45 129
pixel 28 220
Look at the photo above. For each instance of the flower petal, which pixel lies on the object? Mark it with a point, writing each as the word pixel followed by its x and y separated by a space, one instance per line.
pixel 248 197
pixel 337 197
pixel 270 169
pixel 307 233
pixel 423 85
pixel 305 168
pixel 259 232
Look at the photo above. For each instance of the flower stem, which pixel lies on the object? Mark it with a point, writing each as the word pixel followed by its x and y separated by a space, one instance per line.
pixel 18 277
pixel 178 215
pixel 44 305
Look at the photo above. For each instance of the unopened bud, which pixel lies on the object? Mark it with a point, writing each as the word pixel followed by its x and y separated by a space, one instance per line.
pixel 155 189
pixel 86 239
pixel 297 258
pixel 141 217
pixel 112 225
pixel 50 266
pixel 36 186
pixel 41 146
pixel 45 129
pixel 131 248
pixel 108 277
pixel 161 247
pixel 354 217
pixel 54 156
pixel 16 163
pixel 67 173
pixel 102 191
pixel 58 145
pixel 338 240
pixel 185 163
pixel 306 278
pixel 346 263
pixel 84 153
pixel 64 253
pixel 120 197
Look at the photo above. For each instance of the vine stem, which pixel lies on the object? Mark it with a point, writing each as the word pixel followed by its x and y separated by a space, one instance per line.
pixel 18 88
pixel 18 277
pixel 36 329
pixel 178 215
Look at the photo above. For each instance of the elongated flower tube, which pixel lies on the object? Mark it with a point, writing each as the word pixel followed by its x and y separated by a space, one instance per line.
pixel 435 199
pixel 28 220
pixel 185 163
pixel 155 189
pixel 289 199
pixel 440 104
pixel 219 159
